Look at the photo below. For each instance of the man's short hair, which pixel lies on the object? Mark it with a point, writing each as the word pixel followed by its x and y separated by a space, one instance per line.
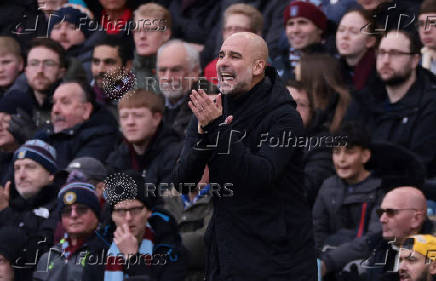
pixel 51 45
pixel 89 93
pixel 256 18
pixel 192 54
pixel 125 51
pixel 142 98
pixel 428 7
pixel 156 11
pixel 355 134
pixel 415 42
pixel 9 45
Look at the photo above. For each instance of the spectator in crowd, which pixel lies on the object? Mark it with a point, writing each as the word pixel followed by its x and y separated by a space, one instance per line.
pixel 152 29
pixel 317 158
pixel 145 238
pixel 345 206
pixel 237 17
pixel 265 178
pixel 305 25
pixel 401 106
pixel 32 199
pixel 370 4
pixel 45 67
pixel 193 212
pixel 79 210
pixel 149 146
pixel 115 16
pixel 80 127
pixel 178 69
pixel 427 33
pixel 12 240
pixel 402 213
pixel 111 62
pixel 323 80
pixel 93 170
pixel 8 144
pixel 11 63
pixel 355 43
pixel 70 27
pixel 417 259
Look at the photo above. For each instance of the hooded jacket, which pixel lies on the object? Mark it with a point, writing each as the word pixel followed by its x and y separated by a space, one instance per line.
pixel 261 228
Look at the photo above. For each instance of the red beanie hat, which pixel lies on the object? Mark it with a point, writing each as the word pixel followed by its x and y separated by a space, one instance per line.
pixel 306 10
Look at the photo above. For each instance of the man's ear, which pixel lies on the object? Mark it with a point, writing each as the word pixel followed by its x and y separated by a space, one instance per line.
pixel 432 268
pixel 51 178
pixel 128 65
pixel 61 73
pixel 415 60
pixel 370 42
pixel 167 35
pixel 157 118
pixel 88 110
pixel 20 64
pixel 258 67
pixel 366 155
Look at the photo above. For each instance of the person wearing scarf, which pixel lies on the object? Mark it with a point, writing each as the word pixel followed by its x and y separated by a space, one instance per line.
pixel 79 210
pixel 145 241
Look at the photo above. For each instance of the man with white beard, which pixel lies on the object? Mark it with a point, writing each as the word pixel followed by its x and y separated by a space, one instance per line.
pixel 178 69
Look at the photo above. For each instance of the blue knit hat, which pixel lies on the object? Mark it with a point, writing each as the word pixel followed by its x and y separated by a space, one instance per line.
pixel 73 16
pixel 40 152
pixel 79 192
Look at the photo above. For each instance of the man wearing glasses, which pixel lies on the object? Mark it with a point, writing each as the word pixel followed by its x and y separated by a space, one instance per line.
pixel 79 209
pixel 145 240
pixel 45 66
pixel 401 106
pixel 402 214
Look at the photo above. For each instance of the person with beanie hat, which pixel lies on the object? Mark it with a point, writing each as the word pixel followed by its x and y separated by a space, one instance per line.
pixel 145 238
pixel 71 27
pixel 32 199
pixel 79 210
pixel 305 27
pixel 11 244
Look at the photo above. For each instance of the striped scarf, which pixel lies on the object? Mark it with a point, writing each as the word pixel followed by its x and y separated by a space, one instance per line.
pixel 115 260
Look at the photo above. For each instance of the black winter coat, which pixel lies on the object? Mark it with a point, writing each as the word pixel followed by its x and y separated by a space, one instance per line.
pixel 96 137
pixel 410 122
pixel 158 160
pixel 261 228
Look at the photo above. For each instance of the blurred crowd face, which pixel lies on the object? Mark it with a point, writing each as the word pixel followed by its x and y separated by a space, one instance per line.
pixel 138 124
pixel 175 72
pixel 415 267
pixel 30 177
pixel 148 38
pixel 10 68
pixel 6 139
pixel 395 64
pixel 49 6
pixel 370 4
pixel 401 223
pixel 133 214
pixel 427 30
pixel 78 220
pixel 351 41
pixel 236 23
pixel 105 59
pixel 67 34
pixel 43 68
pixel 69 107
pixel 113 4
pixel 349 163
pixel 6 271
pixel 303 105
pixel 302 32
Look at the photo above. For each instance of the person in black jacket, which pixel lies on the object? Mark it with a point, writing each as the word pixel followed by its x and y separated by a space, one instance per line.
pixel 80 127
pixel 401 106
pixel 32 199
pixel 143 239
pixel 149 146
pixel 261 228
